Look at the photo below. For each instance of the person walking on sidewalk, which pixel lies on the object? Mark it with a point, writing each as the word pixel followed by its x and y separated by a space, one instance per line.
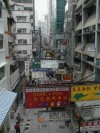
pixel 17 127
pixel 18 118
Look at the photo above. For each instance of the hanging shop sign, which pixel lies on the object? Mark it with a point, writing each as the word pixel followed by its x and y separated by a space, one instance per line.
pixel 55 116
pixel 40 97
pixel 61 71
pixel 49 63
pixel 27 70
pixel 85 92
pixel 37 75
pixel 89 126
pixel 67 77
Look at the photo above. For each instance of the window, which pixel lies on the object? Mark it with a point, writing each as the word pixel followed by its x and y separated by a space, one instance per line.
pixel 2 73
pixel 1 41
pixel 22 41
pixel 21 18
pixel 28 8
pixel 19 52
pixel 21 30
pixel 24 51
pixel 0 10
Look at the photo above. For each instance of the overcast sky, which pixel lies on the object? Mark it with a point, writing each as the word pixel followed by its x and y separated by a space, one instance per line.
pixel 41 7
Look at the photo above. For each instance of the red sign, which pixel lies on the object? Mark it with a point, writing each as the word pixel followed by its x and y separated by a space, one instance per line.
pixel 42 97
pixel 67 77
pixel 90 126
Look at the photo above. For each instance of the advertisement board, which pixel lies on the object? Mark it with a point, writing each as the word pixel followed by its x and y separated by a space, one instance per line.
pixel 67 77
pixel 61 71
pixel 37 75
pixel 41 97
pixel 55 116
pixel 49 63
pixel 90 126
pixel 85 92
pixel 27 70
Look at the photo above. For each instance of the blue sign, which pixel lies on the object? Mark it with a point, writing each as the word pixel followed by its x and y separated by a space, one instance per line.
pixel 41 69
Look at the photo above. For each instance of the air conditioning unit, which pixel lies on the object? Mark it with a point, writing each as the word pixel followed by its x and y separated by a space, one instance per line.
pixel 77 54
pixel 18 17
pixel 77 67
pixel 92 28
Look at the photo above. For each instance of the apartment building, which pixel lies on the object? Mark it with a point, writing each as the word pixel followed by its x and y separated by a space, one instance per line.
pixel 5 77
pixel 23 31
pixel 87 32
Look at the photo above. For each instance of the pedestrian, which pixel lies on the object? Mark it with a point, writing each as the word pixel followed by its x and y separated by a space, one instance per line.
pixel 17 127
pixel 18 118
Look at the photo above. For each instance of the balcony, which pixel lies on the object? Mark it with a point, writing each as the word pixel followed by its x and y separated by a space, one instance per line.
pixel 14 78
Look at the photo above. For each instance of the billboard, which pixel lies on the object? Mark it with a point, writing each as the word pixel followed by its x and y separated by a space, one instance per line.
pixel 42 97
pixel 85 92
pixel 55 116
pixel 49 63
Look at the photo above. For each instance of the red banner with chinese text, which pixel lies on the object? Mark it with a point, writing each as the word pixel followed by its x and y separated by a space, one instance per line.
pixel 42 97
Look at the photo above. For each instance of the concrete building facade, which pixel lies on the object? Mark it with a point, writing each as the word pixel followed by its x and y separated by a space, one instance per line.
pixel 87 50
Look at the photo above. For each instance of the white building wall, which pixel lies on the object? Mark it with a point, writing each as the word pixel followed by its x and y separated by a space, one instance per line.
pixel 27 36
pixel 3 82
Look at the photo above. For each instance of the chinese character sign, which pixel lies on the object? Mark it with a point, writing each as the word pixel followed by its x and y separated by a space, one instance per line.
pixel 37 97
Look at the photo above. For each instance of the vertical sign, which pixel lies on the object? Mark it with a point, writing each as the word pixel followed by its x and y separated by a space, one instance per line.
pixel 27 70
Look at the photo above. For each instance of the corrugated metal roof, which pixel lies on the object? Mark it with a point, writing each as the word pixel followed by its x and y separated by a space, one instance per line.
pixel 6 100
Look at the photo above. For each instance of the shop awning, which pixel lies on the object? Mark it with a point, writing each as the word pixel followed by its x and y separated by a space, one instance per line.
pixel 79 4
pixel 88 103
pixel 79 26
pixel 90 21
pixel 6 100
pixel 78 48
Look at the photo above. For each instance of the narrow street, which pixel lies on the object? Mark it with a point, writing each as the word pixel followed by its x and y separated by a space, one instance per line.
pixel 30 123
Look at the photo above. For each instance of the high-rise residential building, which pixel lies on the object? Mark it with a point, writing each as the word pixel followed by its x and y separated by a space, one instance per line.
pixel 49 17
pixel 87 40
pixel 28 6
pixel 59 15
pixel 7 75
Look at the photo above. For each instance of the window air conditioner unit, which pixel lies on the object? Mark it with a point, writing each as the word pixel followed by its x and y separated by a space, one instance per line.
pixel 19 18
pixel 77 67
pixel 92 28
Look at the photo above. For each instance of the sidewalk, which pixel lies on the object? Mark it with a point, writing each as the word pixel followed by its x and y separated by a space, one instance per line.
pixel 30 123
pixel 23 115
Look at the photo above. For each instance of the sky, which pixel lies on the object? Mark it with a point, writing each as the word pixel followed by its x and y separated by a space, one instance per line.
pixel 41 7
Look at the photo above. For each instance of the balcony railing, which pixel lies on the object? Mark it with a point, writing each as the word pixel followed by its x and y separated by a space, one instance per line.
pixel 14 77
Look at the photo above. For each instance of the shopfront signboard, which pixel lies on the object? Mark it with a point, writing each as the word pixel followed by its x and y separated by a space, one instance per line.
pixel 90 126
pixel 49 64
pixel 55 116
pixel 42 97
pixel 85 92
pixel 67 77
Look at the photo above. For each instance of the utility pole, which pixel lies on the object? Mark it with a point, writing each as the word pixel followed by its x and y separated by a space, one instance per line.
pixel 40 38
